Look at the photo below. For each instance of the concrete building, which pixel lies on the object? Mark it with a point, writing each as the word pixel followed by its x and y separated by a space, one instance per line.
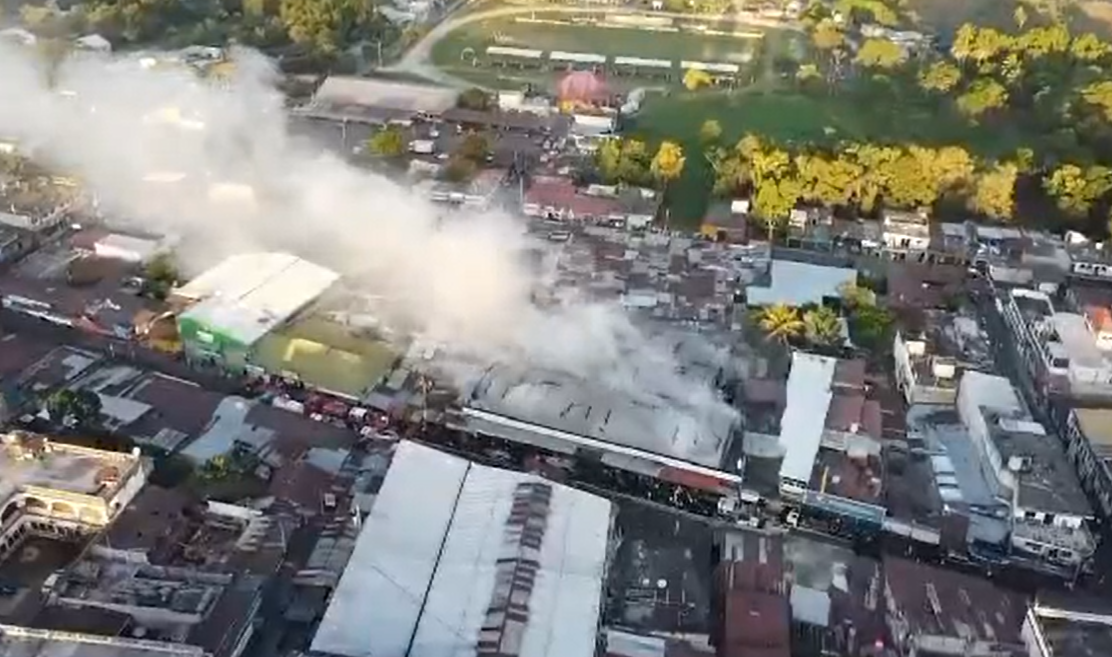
pixel 241 300
pixel 929 362
pixel 460 558
pixel 56 489
pixel 196 577
pixel 18 641
pixel 941 612
pixel 809 394
pixel 799 283
pixel 906 231
pixel 648 432
pixel 1089 436
pixel 755 615
pixel 1059 348
pixel 830 436
pixel 1049 511
pixel 1058 627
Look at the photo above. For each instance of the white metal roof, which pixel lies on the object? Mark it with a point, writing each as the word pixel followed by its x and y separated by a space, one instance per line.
pixel 641 61
pixel 799 283
pixel 581 57
pixel 524 53
pixel 420 580
pixel 1081 347
pixel 715 67
pixel 248 295
pixel 808 397
pixel 402 96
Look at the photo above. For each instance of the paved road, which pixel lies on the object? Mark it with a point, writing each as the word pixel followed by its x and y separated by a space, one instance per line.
pixel 43 331
pixel 418 59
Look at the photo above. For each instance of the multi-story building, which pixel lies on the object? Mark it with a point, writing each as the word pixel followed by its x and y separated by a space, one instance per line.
pixel 187 574
pixel 907 231
pixel 1089 437
pixel 1060 349
pixel 1029 471
pixel 928 363
pixel 937 612
pixel 56 489
pixel 1056 626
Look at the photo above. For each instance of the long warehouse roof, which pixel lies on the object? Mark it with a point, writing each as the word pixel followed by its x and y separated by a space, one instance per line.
pixel 429 572
pixel 249 295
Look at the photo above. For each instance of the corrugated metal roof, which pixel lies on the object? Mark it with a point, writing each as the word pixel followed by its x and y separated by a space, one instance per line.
pixel 248 295
pixel 377 605
pixel 804 417
pixel 431 551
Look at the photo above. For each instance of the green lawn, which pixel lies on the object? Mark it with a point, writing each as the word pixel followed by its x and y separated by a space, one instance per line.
pixel 790 116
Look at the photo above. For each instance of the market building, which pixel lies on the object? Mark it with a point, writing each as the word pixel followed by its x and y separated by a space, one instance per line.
pixel 234 305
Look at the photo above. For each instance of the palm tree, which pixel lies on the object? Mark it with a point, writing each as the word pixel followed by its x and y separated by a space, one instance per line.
pixel 823 326
pixel 780 322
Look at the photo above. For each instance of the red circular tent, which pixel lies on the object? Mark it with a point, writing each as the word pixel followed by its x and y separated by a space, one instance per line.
pixel 582 88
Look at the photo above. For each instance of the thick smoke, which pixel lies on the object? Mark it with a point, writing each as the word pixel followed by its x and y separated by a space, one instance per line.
pixel 214 164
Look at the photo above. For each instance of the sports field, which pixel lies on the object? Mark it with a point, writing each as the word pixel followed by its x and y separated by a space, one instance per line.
pixel 462 52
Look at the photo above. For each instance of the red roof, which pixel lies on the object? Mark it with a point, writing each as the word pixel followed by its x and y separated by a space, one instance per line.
pixel 561 196
pixel 582 87
pixel 1100 317
pixel 755 620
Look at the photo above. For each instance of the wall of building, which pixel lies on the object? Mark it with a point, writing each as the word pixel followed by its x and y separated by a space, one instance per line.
pixel 208 344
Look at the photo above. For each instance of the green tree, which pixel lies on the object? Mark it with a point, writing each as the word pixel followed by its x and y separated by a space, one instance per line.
pixel 608 158
pixel 1075 189
pixel 710 132
pixel 74 408
pixel 978 44
pixel 475 99
pixel 160 275
pixel 994 191
pixel 780 323
pixel 774 201
pixel 827 180
pixel 1099 95
pixel 940 76
pixel 828 37
pixel 328 25
pixel 1089 48
pixel 856 296
pixel 879 53
pixel 984 94
pixel 667 164
pixel 823 326
pixel 634 164
pixel 388 141
pixel 459 169
pixel 695 79
pixel 1044 40
pixel 870 327
pixel 474 147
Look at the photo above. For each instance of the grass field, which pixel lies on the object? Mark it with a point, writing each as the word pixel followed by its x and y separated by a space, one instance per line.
pixel 550 32
pixel 788 116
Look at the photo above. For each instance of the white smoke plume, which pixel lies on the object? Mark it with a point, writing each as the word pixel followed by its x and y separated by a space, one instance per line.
pixel 152 143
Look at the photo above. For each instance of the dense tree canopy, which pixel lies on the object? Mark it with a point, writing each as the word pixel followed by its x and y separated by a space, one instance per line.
pixel 1047 89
